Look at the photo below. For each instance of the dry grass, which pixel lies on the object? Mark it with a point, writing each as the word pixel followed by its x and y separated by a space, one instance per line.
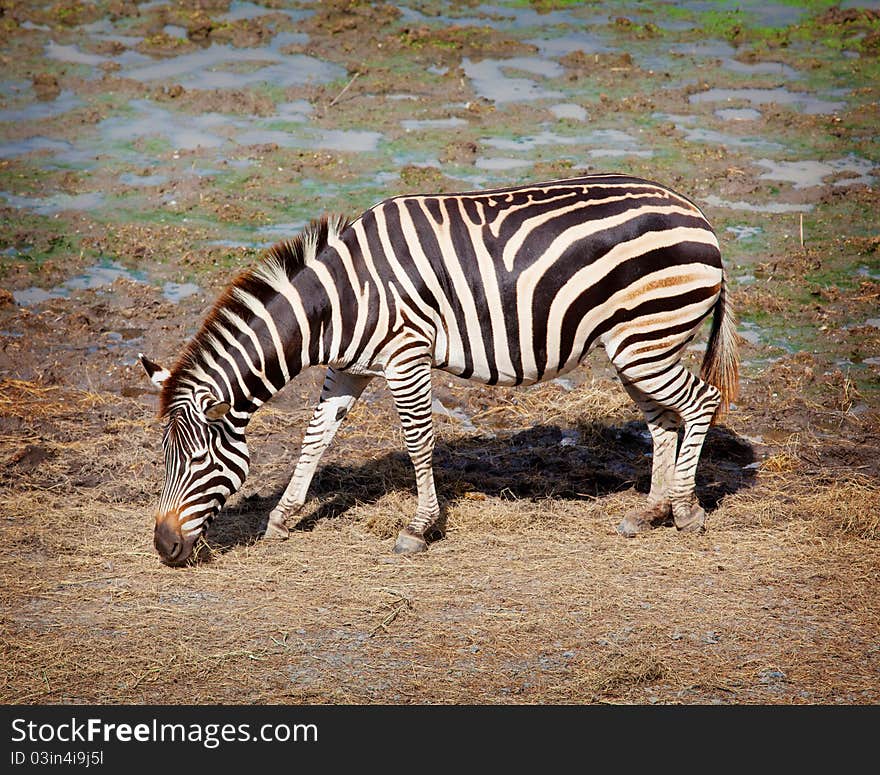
pixel 850 506
pixel 530 598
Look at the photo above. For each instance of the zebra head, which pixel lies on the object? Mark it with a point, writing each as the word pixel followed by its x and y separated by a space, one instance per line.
pixel 206 460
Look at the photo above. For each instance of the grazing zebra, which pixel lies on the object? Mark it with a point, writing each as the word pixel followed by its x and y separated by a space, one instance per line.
pixel 507 287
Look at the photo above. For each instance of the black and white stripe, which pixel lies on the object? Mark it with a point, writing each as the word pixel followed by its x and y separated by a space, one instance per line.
pixel 509 287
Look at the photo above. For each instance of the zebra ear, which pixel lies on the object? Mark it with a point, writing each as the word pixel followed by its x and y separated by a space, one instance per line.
pixel 217 410
pixel 154 371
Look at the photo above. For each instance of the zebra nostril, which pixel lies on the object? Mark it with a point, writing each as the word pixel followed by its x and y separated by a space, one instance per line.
pixel 175 550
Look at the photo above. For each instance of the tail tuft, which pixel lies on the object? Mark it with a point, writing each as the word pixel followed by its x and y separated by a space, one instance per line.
pixel 721 363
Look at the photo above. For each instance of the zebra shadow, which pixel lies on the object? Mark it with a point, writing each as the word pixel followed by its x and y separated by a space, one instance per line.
pixel 582 462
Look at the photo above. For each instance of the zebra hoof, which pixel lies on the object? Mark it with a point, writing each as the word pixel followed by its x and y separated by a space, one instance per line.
pixel 276 529
pixel 407 543
pixel 694 522
pixel 630 526
pixel 640 520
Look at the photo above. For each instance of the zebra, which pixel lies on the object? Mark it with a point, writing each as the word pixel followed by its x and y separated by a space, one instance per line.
pixel 510 286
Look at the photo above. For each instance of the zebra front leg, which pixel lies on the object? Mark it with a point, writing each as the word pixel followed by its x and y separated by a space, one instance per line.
pixel 410 385
pixel 338 395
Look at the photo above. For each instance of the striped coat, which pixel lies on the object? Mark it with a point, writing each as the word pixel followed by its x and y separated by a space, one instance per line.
pixel 510 287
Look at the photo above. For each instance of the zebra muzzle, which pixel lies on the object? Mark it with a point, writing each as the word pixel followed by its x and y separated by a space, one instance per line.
pixel 172 547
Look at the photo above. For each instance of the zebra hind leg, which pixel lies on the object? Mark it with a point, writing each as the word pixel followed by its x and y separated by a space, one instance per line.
pixel 663 426
pixel 697 413
pixel 694 401
pixel 410 385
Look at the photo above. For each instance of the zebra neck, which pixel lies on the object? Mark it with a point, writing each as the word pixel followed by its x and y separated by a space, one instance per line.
pixel 302 315
pixel 278 335
pixel 267 328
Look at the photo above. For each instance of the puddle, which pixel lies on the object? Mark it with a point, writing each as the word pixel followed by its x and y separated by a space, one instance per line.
pixel 764 14
pixel 56 203
pixel 614 153
pixel 173 31
pixel 177 291
pixel 64 103
pixel 186 132
pixel 568 110
pixel 699 135
pixel 183 132
pixel 219 66
pixel 725 53
pixel 612 142
pixel 495 16
pixel 716 49
pixel 205 69
pixel 769 207
pixel 501 163
pixel 72 54
pixel 232 243
pixel 866 271
pixel 103 29
pixel 523 16
pixel 566 44
pixel 805 174
pixel 296 111
pixel 744 232
pixel 15 88
pixel 804 103
pixel 490 81
pixel 279 231
pixel 100 276
pixel 352 140
pixel 416 160
pixel 413 124
pixel 130 179
pixel 761 68
pixel 757 336
pixel 696 134
pixel 738 114
pixel 530 142
pixel 31 145
pixel 239 9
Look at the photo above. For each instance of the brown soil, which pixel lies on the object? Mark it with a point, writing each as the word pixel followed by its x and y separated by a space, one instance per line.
pixel 531 596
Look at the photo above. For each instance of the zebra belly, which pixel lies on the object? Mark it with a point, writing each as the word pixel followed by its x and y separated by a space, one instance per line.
pixel 483 374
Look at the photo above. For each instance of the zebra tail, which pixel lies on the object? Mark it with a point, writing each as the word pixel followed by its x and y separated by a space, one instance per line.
pixel 721 362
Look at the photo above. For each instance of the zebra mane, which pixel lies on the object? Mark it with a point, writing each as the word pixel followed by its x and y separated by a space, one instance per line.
pixel 283 260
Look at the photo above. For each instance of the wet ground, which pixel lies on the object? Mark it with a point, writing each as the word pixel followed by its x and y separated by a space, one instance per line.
pixel 148 151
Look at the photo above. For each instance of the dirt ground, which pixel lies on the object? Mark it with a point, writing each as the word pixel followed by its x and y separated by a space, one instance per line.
pixel 116 237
